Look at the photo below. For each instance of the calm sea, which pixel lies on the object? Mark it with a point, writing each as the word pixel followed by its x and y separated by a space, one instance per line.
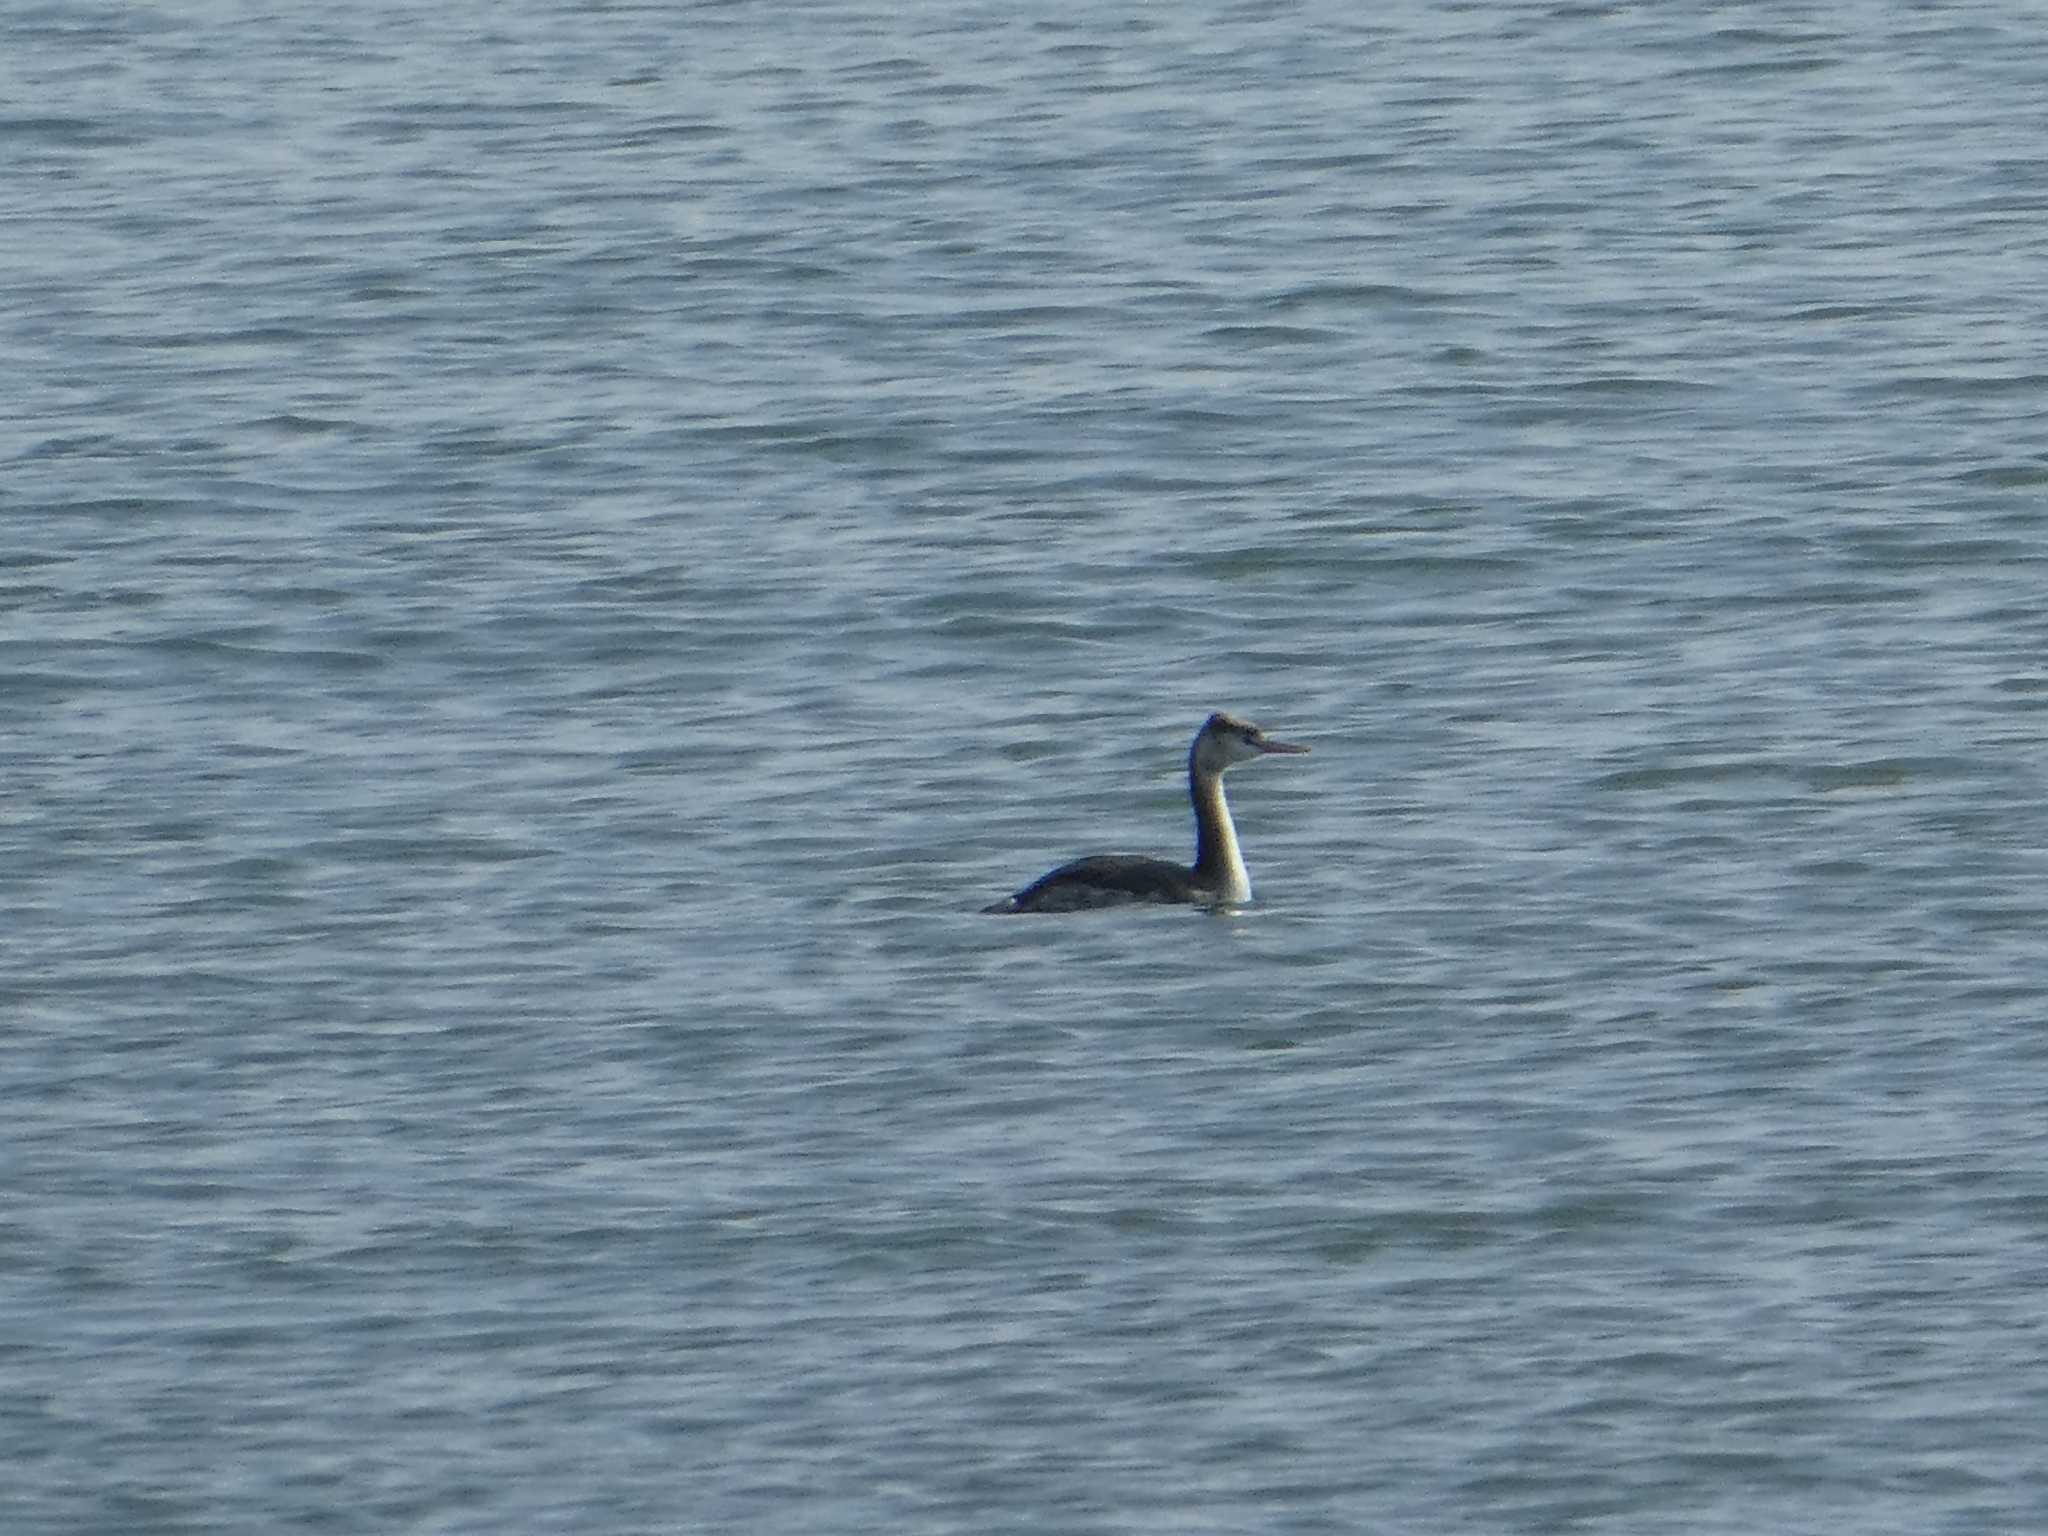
pixel 552 556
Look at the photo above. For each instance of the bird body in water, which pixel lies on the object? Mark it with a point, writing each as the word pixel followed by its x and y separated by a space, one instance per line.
pixel 1217 877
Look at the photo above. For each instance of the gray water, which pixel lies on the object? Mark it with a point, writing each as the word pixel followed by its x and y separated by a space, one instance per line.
pixel 554 556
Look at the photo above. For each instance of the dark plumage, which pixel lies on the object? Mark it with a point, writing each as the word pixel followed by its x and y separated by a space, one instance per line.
pixel 1105 880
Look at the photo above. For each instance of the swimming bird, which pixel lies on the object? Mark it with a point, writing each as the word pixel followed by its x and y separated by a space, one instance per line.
pixel 1119 879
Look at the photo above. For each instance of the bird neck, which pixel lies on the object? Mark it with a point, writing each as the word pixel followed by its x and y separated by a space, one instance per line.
pixel 1218 864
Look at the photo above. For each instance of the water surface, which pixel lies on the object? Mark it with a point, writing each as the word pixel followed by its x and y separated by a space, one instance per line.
pixel 556 557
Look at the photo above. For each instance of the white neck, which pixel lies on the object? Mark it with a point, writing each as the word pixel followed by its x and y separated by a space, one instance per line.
pixel 1217 861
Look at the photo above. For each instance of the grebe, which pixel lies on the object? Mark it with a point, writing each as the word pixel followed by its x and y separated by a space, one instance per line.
pixel 1218 877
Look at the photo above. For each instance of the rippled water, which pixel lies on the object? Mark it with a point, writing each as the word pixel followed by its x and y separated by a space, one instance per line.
pixel 556 556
